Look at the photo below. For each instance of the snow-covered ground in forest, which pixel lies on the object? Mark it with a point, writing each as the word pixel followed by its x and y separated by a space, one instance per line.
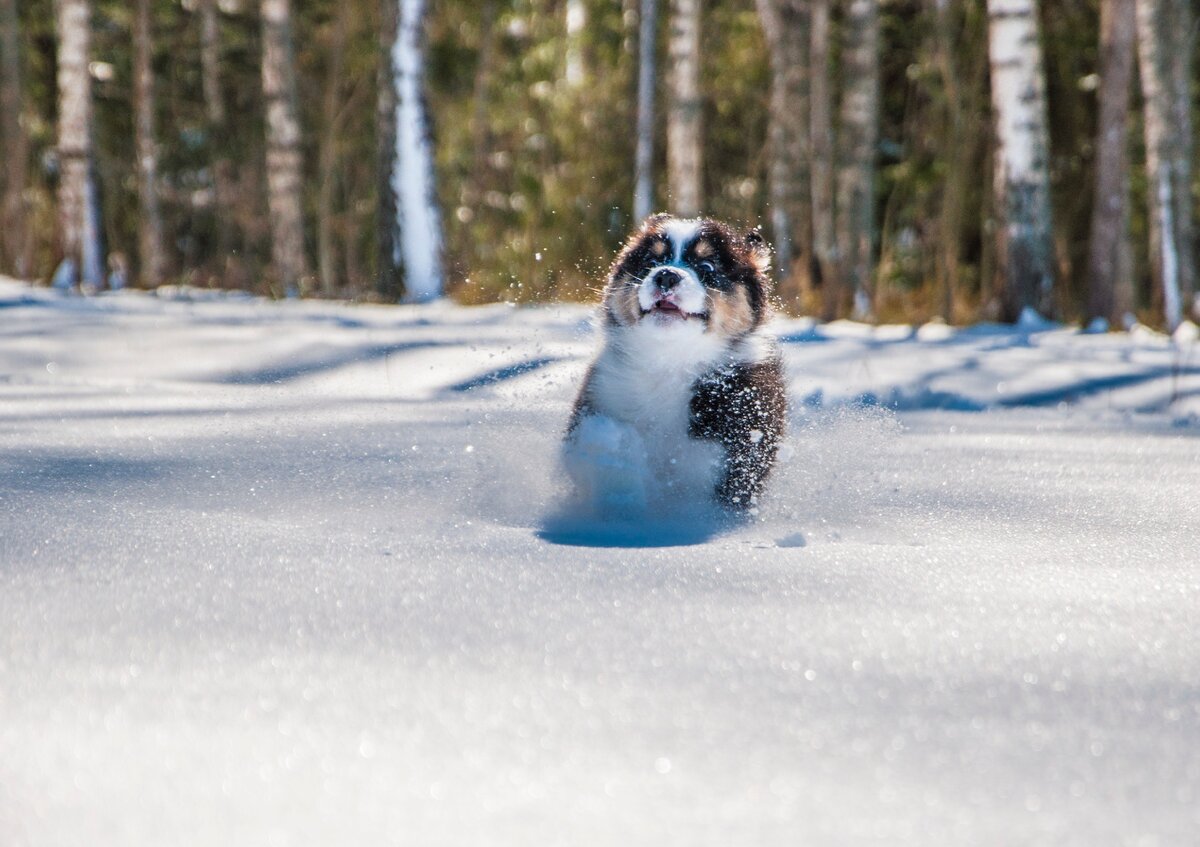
pixel 296 573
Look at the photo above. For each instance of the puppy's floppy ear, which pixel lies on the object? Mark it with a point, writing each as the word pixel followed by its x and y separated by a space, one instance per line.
pixel 759 250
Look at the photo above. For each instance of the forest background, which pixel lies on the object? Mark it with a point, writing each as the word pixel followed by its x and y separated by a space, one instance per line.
pixel 907 158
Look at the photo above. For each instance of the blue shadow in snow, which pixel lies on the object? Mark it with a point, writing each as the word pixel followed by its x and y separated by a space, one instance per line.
pixel 577 526
pixel 623 534
pixel 922 398
pixel 501 374
pixel 22 302
pixel 321 364
pixel 1088 387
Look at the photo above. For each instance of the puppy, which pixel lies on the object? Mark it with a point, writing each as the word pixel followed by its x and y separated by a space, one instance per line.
pixel 687 392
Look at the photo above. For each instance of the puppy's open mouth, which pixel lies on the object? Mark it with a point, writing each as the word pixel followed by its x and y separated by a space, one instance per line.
pixel 668 310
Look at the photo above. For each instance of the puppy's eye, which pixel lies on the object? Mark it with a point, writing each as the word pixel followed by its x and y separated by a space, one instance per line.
pixel 707 267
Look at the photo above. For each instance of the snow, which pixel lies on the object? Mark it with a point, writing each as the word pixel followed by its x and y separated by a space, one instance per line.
pixel 306 573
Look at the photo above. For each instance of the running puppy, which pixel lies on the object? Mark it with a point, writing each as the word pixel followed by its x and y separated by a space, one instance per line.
pixel 687 392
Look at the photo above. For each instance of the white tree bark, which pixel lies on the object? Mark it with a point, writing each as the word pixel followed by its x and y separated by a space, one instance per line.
pixel 859 140
pixel 1163 35
pixel 78 198
pixel 1022 178
pixel 150 224
pixel 643 181
pixel 420 219
pixel 574 71
pixel 284 173
pixel 684 138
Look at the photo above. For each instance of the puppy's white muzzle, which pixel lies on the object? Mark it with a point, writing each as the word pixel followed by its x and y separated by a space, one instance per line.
pixel 672 290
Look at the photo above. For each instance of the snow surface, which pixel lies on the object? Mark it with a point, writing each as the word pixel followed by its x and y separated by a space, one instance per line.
pixel 304 573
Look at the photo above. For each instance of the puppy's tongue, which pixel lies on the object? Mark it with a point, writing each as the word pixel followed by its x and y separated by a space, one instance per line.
pixel 666 306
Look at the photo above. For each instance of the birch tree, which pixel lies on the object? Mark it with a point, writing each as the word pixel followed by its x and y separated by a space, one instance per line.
pixel 858 141
pixel 284 178
pixel 1021 186
pixel 1164 37
pixel 574 70
pixel 15 143
pixel 1110 271
pixel 420 220
pixel 150 224
pixel 786 29
pixel 684 139
pixel 78 197
pixel 643 178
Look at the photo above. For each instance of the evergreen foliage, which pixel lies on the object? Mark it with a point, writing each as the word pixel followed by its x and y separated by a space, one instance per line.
pixel 535 173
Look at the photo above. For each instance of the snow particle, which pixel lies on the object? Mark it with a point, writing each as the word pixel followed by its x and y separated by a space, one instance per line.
pixel 662 764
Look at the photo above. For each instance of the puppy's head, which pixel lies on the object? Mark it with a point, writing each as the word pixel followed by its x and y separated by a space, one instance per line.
pixel 673 272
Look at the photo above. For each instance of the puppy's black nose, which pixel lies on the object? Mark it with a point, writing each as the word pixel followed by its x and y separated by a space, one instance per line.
pixel 668 279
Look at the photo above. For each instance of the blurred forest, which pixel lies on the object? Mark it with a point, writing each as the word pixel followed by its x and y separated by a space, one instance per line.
pixel 877 143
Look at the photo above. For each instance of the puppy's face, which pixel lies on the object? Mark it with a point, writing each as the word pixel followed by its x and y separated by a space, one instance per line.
pixel 674 272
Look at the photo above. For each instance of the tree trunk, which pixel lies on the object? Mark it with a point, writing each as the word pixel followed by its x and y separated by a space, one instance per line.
pixel 575 69
pixel 389 276
pixel 14 240
pixel 413 178
pixel 326 259
pixel 78 197
pixel 684 139
pixel 1024 256
pixel 284 176
pixel 960 105
pixel 1163 35
pixel 1110 269
pixel 825 257
pixel 150 225
pixel 786 27
pixel 859 140
pixel 214 112
pixel 643 180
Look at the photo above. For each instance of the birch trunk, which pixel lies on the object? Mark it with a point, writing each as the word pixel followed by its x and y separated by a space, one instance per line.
pixel 1162 37
pixel 643 180
pixel 284 177
pixel 825 257
pixel 574 71
pixel 684 148
pixel 413 178
pixel 78 198
pixel 326 258
pixel 1110 270
pixel 786 29
pixel 150 225
pixel 14 241
pixel 1024 257
pixel 389 278
pixel 859 139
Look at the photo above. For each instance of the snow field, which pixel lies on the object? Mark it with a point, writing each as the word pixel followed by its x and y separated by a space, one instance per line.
pixel 302 573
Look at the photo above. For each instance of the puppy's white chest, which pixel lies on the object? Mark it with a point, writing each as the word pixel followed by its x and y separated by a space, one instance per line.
pixel 649 388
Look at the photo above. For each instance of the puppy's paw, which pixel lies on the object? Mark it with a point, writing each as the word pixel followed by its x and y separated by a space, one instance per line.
pixel 606 461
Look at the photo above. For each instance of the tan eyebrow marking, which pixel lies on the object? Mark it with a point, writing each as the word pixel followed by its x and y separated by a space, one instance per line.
pixel 703 248
pixel 659 247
